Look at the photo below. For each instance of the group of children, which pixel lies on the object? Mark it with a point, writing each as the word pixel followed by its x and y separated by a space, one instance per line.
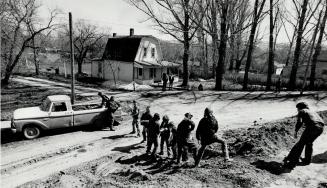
pixel 178 140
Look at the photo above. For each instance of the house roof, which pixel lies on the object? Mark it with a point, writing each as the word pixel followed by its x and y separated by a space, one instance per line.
pixel 123 48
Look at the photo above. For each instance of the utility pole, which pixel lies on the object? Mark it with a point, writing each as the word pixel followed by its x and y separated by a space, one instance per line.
pixel 71 58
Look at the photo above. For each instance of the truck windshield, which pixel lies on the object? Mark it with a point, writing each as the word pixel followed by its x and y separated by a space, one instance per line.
pixel 45 106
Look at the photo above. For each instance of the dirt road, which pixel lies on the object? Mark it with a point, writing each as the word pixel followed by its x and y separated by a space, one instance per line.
pixel 23 161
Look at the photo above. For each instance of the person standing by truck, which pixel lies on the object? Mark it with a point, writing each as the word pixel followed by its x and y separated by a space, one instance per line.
pixel 112 106
pixel 135 116
pixel 104 98
pixel 145 119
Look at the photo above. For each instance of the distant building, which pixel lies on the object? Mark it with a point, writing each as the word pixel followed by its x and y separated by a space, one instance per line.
pixel 278 68
pixel 321 68
pixel 133 57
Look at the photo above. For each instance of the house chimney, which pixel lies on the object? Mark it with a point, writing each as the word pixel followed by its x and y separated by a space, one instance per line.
pixel 131 32
pixel 114 34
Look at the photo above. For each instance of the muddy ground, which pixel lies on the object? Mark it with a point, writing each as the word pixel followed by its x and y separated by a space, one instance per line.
pixel 253 149
pixel 79 157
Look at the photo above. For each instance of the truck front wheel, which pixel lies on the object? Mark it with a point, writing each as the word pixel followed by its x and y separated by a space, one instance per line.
pixel 31 132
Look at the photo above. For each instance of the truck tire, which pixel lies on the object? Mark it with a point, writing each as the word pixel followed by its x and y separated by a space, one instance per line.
pixel 31 132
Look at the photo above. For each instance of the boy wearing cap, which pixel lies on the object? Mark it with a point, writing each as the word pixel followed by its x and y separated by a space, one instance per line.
pixel 185 140
pixel 314 128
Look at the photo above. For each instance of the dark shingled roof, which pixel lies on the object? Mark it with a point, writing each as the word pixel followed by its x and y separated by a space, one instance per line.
pixel 122 48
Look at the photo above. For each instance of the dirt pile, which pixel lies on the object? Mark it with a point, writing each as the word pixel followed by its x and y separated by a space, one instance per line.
pixel 268 139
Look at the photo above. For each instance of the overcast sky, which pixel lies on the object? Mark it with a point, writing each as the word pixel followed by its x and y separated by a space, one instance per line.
pixel 121 16
pixel 115 14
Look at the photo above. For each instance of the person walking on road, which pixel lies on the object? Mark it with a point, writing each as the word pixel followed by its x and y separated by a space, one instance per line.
pixel 153 134
pixel 112 106
pixel 164 81
pixel 171 82
pixel 314 126
pixel 185 140
pixel 135 122
pixel 145 119
pixel 164 134
pixel 206 134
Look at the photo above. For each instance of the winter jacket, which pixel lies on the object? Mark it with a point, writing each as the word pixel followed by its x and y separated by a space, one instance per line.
pixel 207 128
pixel 153 129
pixel 185 128
pixel 146 116
pixel 164 129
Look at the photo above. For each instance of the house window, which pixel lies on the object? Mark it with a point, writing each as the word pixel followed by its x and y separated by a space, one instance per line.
pixel 152 72
pixel 145 50
pixel 140 71
pixel 153 50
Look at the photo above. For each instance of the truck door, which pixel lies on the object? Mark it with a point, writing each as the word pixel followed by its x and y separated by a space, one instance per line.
pixel 60 116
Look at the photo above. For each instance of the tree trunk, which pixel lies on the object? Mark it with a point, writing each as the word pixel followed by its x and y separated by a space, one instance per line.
pixel 205 66
pixel 232 46
pixel 214 36
pixel 271 48
pixel 310 55
pixel 80 60
pixel 186 46
pixel 11 65
pixel 222 48
pixel 292 81
pixel 317 51
pixel 36 63
pixel 256 16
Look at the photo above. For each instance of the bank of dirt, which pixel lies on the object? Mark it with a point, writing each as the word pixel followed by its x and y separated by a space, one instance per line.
pixel 253 150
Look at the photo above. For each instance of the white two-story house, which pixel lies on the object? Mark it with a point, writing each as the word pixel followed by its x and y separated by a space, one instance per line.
pixel 131 58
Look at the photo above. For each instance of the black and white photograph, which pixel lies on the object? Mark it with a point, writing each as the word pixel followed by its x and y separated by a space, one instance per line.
pixel 163 93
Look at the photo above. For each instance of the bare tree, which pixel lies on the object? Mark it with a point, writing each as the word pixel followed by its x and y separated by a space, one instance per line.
pixel 313 40
pixel 238 24
pixel 222 45
pixel 87 37
pixel 297 51
pixel 15 18
pixel 174 18
pixel 318 49
pixel 258 7
pixel 272 25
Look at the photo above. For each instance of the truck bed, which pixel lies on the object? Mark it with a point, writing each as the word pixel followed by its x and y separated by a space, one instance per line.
pixel 90 106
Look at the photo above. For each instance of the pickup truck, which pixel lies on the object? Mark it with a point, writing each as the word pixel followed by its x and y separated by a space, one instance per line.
pixel 57 112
